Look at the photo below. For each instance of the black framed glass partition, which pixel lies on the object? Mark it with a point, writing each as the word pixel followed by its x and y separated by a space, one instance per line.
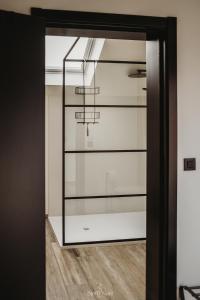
pixel 104 151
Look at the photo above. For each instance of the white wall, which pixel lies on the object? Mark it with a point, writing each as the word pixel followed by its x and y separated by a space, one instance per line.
pixel 53 150
pixel 188 13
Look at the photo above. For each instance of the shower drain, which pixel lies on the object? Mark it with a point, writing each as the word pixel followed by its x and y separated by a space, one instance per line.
pixel 86 228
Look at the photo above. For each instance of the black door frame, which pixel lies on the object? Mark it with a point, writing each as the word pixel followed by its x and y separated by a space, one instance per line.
pixel 160 33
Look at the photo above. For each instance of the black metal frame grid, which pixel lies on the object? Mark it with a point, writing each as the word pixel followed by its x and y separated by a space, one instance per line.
pixel 191 290
pixel 65 60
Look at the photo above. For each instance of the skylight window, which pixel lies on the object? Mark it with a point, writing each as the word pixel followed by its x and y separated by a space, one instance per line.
pixel 56 49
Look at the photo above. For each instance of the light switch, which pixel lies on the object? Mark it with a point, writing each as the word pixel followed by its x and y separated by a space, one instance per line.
pixel 189 164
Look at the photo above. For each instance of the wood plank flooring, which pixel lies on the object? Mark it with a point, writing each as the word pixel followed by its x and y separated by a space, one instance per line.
pixel 110 272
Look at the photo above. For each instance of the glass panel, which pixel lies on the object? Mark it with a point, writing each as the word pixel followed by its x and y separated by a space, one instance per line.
pixel 87 219
pixel 108 174
pixel 119 84
pixel 92 174
pixel 117 129
pixel 104 205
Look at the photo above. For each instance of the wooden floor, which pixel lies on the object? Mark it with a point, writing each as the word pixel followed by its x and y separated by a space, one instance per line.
pixel 111 272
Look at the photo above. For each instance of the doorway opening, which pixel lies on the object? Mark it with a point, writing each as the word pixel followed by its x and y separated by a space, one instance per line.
pixel 96 108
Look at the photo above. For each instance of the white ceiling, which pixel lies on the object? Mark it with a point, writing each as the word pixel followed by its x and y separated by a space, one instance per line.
pixel 124 50
pixel 110 49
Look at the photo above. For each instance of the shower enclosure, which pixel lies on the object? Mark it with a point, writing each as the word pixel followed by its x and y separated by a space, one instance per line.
pixel 104 152
pixel 103 148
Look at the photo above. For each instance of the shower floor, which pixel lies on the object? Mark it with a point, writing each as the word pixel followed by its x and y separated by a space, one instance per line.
pixel 100 227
